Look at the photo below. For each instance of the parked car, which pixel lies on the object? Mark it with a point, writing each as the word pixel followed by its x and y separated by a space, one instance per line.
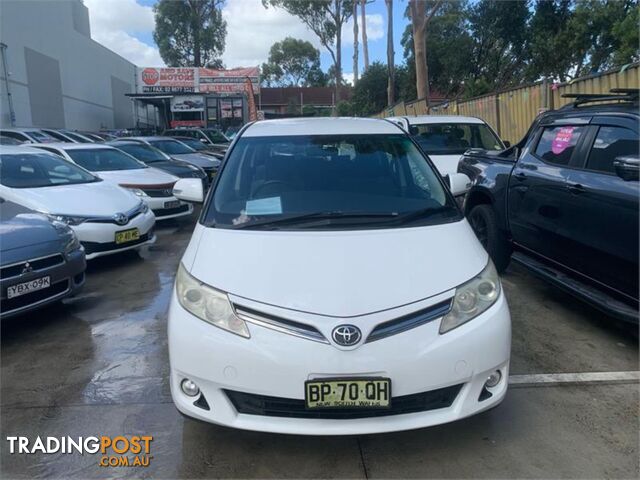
pixel 106 218
pixel 208 136
pixel 9 141
pixel 66 136
pixel 180 151
pixel 157 159
pixel 231 132
pixel 27 135
pixel 41 260
pixel 563 202
pixel 93 136
pixel 200 147
pixel 332 286
pixel 446 137
pixel 154 187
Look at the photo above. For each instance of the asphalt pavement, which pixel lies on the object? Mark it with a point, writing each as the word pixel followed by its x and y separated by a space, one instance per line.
pixel 98 365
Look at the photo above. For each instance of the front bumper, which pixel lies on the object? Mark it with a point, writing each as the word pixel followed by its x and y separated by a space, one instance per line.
pixel 67 278
pixel 273 364
pixel 98 239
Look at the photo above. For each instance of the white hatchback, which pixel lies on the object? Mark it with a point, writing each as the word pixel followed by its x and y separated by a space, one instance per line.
pixel 153 186
pixel 106 218
pixel 332 286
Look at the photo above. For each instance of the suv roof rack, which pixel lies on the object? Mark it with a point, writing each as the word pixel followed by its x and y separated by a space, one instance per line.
pixel 616 94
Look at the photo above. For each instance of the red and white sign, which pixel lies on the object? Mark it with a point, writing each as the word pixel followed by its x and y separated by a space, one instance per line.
pixel 167 80
pixel 228 81
pixel 187 123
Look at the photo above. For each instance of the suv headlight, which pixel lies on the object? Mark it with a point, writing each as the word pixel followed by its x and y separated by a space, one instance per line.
pixel 208 304
pixel 137 192
pixel 472 298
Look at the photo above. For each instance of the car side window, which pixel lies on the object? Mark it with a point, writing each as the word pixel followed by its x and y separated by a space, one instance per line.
pixel 556 145
pixel 17 136
pixel 610 143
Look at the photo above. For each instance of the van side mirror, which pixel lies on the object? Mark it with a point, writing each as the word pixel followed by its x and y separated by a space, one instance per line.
pixel 189 190
pixel 627 167
pixel 459 183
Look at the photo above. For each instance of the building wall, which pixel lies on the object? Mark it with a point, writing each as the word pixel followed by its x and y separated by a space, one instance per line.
pixel 59 76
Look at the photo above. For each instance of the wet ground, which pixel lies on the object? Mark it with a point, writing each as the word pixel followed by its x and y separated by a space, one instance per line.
pixel 98 366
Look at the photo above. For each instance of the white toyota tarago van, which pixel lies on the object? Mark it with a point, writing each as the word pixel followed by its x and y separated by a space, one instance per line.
pixel 332 286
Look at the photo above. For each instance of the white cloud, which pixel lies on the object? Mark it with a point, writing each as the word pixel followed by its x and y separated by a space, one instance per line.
pixel 375 29
pixel 252 29
pixel 348 77
pixel 114 21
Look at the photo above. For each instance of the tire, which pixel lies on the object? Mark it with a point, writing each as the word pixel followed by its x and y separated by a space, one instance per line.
pixel 483 221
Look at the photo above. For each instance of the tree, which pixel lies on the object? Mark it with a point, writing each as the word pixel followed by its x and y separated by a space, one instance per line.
pixel 190 33
pixel 292 62
pixel 365 43
pixel 370 93
pixel 420 17
pixel 390 57
pixel 325 18
pixel 355 42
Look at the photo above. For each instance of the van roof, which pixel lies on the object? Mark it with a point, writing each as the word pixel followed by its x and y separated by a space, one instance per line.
pixel 320 126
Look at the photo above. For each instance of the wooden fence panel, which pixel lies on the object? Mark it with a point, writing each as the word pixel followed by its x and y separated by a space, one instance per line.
pixel 516 110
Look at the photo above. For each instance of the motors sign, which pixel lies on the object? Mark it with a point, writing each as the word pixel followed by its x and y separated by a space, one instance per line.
pixel 167 80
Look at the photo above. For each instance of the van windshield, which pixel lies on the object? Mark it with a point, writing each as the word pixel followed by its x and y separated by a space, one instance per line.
pixel 333 182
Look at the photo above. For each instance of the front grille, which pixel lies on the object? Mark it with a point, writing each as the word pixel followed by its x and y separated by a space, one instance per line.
pixel 250 404
pixel 407 322
pixel 95 247
pixel 131 214
pixel 164 212
pixel 158 192
pixel 9 305
pixel 35 265
pixel 280 324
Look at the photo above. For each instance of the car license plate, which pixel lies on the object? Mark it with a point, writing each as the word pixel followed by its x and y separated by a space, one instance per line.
pixel 126 236
pixel 172 204
pixel 348 393
pixel 28 287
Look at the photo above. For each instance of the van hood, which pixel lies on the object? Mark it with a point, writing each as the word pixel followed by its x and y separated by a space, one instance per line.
pixel 338 273
pixel 446 164
pixel 139 177
pixel 82 200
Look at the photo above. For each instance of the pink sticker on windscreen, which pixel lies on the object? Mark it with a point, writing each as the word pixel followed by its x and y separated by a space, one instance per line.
pixel 562 140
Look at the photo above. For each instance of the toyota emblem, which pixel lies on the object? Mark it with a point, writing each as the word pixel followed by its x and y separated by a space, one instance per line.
pixel 346 335
pixel 121 219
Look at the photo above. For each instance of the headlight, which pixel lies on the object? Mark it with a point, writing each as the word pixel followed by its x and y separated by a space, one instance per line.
pixel 137 192
pixel 72 244
pixel 208 304
pixel 67 219
pixel 472 298
pixel 144 208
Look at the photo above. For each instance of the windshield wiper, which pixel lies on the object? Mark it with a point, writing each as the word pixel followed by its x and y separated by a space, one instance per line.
pixel 317 216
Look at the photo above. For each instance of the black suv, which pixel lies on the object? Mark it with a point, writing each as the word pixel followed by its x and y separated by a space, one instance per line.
pixel 564 201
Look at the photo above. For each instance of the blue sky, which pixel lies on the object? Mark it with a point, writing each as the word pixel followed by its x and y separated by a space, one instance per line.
pixel 126 26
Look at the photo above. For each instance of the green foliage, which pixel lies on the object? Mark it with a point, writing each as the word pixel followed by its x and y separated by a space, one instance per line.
pixel 370 93
pixel 292 63
pixel 344 109
pixel 190 33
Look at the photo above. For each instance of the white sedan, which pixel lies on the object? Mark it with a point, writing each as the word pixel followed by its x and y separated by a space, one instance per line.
pixel 153 186
pixel 106 218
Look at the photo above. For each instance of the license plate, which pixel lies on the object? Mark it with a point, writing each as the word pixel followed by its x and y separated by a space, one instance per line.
pixel 28 287
pixel 126 236
pixel 348 393
pixel 172 204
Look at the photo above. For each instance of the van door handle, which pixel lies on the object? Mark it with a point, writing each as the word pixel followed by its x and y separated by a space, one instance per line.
pixel 575 188
pixel 519 176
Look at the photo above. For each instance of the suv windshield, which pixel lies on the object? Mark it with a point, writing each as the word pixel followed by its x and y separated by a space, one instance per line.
pixel 144 153
pixel 454 138
pixel 104 159
pixel 337 181
pixel 171 147
pixel 32 170
pixel 216 136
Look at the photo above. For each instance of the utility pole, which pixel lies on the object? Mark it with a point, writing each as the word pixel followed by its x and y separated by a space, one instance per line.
pixel 5 72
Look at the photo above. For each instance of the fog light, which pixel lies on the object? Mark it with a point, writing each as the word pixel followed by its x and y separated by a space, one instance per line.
pixel 492 380
pixel 189 388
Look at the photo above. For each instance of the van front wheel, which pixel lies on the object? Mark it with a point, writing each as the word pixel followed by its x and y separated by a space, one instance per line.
pixel 483 221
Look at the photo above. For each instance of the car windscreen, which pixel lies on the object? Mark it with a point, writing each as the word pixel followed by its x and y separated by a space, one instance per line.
pixel 104 159
pixel 144 153
pixel 454 138
pixel 193 143
pixel 216 136
pixel 336 181
pixel 76 137
pixel 171 147
pixel 41 136
pixel 32 170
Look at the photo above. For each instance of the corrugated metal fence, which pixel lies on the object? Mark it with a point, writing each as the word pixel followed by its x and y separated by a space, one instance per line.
pixel 510 112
